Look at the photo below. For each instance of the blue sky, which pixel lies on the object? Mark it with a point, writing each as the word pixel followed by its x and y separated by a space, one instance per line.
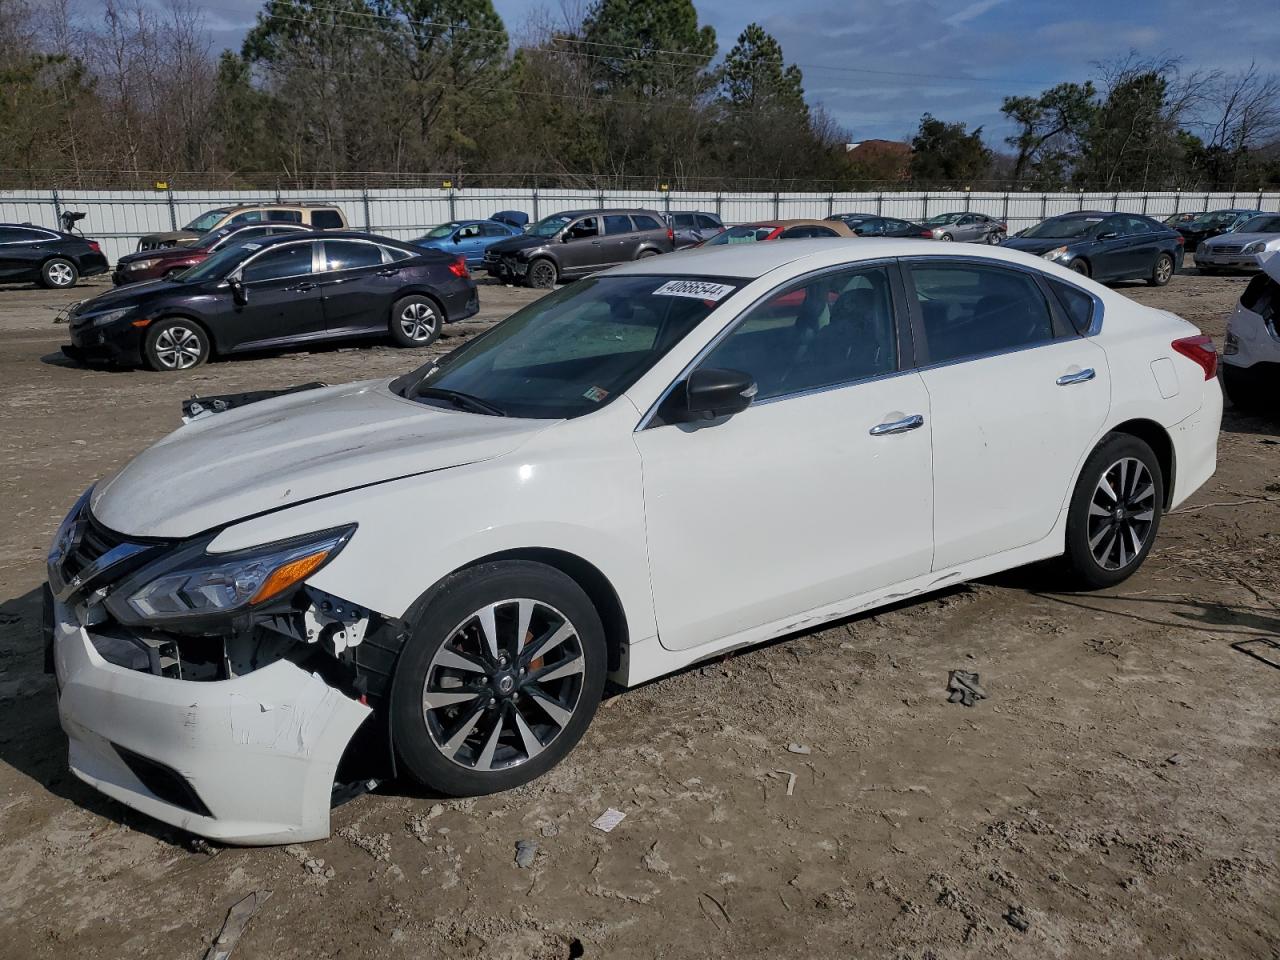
pixel 953 59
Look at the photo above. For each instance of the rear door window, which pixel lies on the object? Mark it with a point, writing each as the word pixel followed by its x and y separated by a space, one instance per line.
pixel 248 216
pixel 969 310
pixel 349 255
pixel 1079 306
pixel 644 222
pixel 284 216
pixel 682 221
pixel 615 224
pixel 584 228
pixel 708 223
pixel 494 230
pixel 293 260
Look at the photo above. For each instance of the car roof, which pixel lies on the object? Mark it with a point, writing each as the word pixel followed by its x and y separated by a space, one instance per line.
pixel 752 260
pixel 603 210
pixel 294 236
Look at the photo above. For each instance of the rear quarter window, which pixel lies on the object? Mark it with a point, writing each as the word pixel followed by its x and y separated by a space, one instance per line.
pixel 326 219
pixel 643 222
pixel 1077 304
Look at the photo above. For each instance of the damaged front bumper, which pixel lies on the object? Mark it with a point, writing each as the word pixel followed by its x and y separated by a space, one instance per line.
pixel 248 760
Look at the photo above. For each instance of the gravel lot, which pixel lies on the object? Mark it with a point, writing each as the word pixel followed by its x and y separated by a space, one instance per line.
pixel 1116 795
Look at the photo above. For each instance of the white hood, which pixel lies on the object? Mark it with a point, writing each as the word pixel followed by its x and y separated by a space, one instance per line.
pixel 298 447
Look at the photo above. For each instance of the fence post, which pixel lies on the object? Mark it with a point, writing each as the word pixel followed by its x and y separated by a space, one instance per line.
pixel 1005 215
pixel 364 203
pixel 600 197
pixel 967 197
pixel 777 206
pixel 924 209
pixel 173 213
pixel 719 200
pixel 57 209
pixel 880 203
pixel 536 218
pixel 1081 207
pixel 1115 202
pixel 831 204
pixel 1145 195
pixel 1044 205
pixel 453 205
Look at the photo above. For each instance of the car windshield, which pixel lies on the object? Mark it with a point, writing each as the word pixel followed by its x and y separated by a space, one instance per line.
pixel 205 221
pixel 550 226
pixel 209 239
pixel 571 352
pixel 1260 225
pixel 942 219
pixel 1062 228
pixel 221 263
pixel 742 234
pixel 444 230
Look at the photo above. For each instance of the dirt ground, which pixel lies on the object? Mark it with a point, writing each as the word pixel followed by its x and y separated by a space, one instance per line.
pixel 1115 795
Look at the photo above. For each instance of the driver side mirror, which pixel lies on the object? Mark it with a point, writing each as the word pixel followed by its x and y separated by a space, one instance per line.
pixel 238 292
pixel 566 237
pixel 457 236
pixel 712 392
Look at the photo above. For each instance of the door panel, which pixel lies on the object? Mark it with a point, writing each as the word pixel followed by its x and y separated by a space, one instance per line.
pixel 283 300
pixel 583 251
pixel 356 287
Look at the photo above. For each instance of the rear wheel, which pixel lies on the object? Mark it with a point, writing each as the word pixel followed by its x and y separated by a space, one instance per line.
pixel 175 344
pixel 415 321
pixel 995 237
pixel 645 254
pixel 1161 271
pixel 1114 513
pixel 500 679
pixel 59 274
pixel 542 274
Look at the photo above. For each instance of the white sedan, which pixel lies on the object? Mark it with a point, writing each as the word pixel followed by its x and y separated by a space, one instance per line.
pixel 652 466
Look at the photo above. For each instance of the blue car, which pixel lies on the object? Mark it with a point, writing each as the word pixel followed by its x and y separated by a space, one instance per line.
pixel 1106 246
pixel 468 238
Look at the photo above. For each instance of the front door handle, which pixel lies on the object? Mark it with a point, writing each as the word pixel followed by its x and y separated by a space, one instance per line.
pixel 914 422
pixel 1067 379
pixel 302 287
pixel 388 271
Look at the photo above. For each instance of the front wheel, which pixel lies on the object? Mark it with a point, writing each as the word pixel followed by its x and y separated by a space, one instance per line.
pixel 415 321
pixel 1161 271
pixel 1114 513
pixel 175 344
pixel 1079 266
pixel 946 236
pixel 541 275
pixel 59 274
pixel 500 679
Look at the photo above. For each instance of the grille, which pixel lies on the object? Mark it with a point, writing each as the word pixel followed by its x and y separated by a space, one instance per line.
pixel 1226 249
pixel 96 541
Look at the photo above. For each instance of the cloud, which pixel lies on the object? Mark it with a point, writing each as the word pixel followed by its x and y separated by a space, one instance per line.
pixel 972 11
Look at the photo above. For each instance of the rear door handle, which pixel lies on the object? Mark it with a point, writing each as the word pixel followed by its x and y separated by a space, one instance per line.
pixel 1067 379
pixel 388 271
pixel 914 422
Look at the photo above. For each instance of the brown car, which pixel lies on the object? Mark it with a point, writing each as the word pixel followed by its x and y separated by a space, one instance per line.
pixel 318 216
pixel 780 230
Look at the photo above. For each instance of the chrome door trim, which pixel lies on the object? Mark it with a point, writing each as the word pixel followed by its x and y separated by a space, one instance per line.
pixel 1084 376
pixel 913 422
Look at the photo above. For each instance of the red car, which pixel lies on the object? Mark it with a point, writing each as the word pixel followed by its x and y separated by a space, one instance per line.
pixel 166 262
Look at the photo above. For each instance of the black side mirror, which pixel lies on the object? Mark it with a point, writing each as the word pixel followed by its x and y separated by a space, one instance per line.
pixel 457 236
pixel 711 393
pixel 238 293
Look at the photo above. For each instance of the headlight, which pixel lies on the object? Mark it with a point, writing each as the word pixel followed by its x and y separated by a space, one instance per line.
pixel 212 584
pixel 1055 253
pixel 142 264
pixel 102 319
pixel 68 531
pixel 1255 247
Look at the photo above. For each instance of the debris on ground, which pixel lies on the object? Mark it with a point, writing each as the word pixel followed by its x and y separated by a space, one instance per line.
pixel 798 748
pixel 526 851
pixel 608 820
pixel 376 845
pixel 1016 917
pixel 963 687
pixel 791 781
pixel 238 918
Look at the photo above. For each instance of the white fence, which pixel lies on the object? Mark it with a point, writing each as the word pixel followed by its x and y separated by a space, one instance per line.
pixel 118 218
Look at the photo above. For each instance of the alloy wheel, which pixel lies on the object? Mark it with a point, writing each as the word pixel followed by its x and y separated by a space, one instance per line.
pixel 504 685
pixel 61 274
pixel 1121 513
pixel 178 347
pixel 1164 270
pixel 418 321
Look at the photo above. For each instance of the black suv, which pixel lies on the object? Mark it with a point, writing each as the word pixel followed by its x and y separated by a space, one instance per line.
pixel 578 242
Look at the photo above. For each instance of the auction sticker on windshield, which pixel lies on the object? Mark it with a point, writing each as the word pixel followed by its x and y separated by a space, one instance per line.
pixel 695 289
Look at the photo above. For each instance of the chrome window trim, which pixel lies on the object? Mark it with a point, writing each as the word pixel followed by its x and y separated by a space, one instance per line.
pixel 1095 322
pixel 646 420
pixel 48 235
pixel 238 272
pixel 324 255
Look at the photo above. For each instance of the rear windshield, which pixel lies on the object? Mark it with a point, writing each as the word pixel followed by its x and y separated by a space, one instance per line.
pixel 573 351
pixel 206 221
pixel 1262 296
pixel 743 234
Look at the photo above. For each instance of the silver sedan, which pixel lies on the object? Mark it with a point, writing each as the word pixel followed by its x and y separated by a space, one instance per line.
pixel 1239 249
pixel 969 227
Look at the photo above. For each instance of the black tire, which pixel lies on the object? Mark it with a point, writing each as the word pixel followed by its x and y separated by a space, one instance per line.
pixel 59 274
pixel 995 238
pixel 542 274
pixel 1243 389
pixel 1112 534
pixel 415 321
pixel 1161 271
pixel 645 254
pixel 449 626
pixel 948 237
pixel 175 344
pixel 1079 266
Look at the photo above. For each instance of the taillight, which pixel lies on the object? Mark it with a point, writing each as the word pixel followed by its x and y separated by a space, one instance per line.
pixel 459 267
pixel 671 235
pixel 93 245
pixel 927 234
pixel 1181 240
pixel 1201 350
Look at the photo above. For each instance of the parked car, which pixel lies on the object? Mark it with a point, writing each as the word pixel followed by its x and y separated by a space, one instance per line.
pixel 779 230
pixel 578 242
pixel 967 227
pixel 872 225
pixel 321 216
pixel 277 292
pixel 516 218
pixel 50 258
pixel 691 227
pixel 1239 249
pixel 1176 218
pixel 166 262
pixel 1106 246
pixel 1212 223
pixel 1251 354
pixel 452 561
pixel 467 238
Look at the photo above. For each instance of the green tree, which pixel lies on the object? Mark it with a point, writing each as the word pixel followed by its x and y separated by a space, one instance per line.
pixel 649 47
pixel 944 152
pixel 1051 131
pixel 754 77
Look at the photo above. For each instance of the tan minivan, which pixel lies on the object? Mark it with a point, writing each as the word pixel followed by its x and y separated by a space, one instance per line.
pixel 320 216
